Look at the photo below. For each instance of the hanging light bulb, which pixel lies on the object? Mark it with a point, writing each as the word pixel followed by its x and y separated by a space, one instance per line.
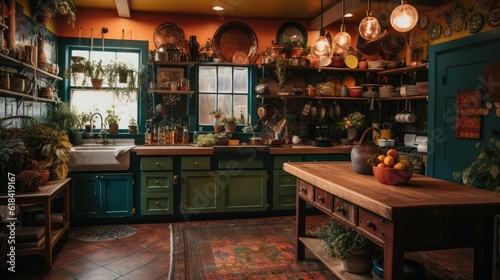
pixel 404 17
pixel 369 28
pixel 342 41
pixel 321 48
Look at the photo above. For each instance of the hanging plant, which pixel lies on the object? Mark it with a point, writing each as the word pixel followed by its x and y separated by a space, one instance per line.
pixel 280 71
pixel 43 10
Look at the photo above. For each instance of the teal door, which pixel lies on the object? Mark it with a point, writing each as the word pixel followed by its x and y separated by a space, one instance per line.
pixel 84 195
pixel 116 195
pixel 456 66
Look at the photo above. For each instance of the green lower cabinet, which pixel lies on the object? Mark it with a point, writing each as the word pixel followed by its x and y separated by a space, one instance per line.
pixel 101 195
pixel 157 193
pixel 284 190
pixel 223 191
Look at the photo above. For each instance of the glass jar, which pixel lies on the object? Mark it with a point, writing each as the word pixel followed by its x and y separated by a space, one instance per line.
pixel 185 135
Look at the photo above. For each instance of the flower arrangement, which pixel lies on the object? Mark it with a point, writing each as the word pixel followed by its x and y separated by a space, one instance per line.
pixel 217 113
pixel 354 120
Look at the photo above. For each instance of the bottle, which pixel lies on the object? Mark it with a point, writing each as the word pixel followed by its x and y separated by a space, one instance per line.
pixel 167 135
pixel 148 135
pixel 193 48
pixel 161 135
pixel 174 135
pixel 155 135
pixel 185 135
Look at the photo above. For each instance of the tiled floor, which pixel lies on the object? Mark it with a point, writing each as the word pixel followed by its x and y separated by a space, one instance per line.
pixel 145 255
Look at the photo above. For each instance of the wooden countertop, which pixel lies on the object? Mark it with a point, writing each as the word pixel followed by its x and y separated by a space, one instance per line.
pixel 437 197
pixel 148 150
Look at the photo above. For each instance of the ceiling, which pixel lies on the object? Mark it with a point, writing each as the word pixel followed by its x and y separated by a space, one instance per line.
pixel 265 9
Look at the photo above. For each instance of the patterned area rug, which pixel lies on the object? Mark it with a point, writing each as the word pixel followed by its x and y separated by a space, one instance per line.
pixel 240 249
pixel 103 233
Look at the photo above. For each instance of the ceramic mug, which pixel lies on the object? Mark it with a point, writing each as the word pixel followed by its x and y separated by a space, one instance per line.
pixel 296 139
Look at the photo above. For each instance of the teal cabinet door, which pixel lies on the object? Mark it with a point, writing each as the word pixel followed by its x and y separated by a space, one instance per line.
pixel 116 195
pixel 84 196
pixel 243 190
pixel 199 192
pixel 98 195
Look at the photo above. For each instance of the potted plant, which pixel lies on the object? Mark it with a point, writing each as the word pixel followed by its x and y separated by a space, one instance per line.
pixel 352 123
pixel 207 52
pixel 123 80
pixel 64 118
pixel 112 120
pixel 280 71
pixel 43 10
pixel 96 72
pixel 217 113
pixel 484 171
pixel 351 248
pixel 76 70
pixel 132 126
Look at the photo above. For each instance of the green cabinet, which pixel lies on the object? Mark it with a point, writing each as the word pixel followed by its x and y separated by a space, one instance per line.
pixel 284 188
pixel 229 190
pixel 157 191
pixel 101 195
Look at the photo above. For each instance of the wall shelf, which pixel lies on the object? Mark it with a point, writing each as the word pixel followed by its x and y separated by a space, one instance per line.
pixel 420 67
pixel 8 61
pixel 416 97
pixel 160 91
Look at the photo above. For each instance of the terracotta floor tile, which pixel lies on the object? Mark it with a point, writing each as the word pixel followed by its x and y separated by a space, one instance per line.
pixel 161 263
pixel 162 247
pixel 88 249
pixel 79 266
pixel 104 257
pixel 123 265
pixel 99 274
pixel 145 256
pixel 145 273
pixel 127 248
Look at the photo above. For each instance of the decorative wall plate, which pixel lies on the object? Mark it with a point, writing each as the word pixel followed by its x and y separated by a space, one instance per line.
pixel 475 23
pixel 423 22
pixel 291 31
pixel 456 17
pixel 240 58
pixel 447 32
pixel 434 31
pixel 168 33
pixel 235 37
pixel 486 3
pixel 493 17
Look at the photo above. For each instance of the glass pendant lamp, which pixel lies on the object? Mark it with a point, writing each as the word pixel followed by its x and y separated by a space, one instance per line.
pixel 321 48
pixel 369 28
pixel 404 17
pixel 342 41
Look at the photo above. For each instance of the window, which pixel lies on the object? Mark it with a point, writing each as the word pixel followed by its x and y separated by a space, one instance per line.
pixel 222 87
pixel 85 99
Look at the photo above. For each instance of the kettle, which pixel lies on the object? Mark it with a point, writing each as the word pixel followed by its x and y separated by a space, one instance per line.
pixel 362 152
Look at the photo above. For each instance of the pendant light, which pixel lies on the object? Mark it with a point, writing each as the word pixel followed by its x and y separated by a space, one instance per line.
pixel 342 41
pixel 369 28
pixel 321 49
pixel 404 17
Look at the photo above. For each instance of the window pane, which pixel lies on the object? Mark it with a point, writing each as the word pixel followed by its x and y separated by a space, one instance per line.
pixel 240 103
pixel 207 78
pixel 225 103
pixel 224 77
pixel 240 80
pixel 207 104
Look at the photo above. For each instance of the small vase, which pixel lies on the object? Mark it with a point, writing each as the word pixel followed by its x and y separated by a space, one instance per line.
pixel 193 48
pixel 352 133
pixel 230 128
pixel 42 57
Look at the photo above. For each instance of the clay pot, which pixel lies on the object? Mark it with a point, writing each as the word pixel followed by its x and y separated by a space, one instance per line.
pixel 362 152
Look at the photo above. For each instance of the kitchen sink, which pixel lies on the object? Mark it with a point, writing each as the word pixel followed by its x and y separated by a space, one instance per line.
pixel 91 156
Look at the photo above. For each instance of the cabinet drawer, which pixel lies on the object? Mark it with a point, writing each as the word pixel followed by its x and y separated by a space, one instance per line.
pixel 195 163
pixel 283 180
pixel 323 199
pixel 279 160
pixel 284 200
pixel 156 204
pixel 344 209
pixel 156 182
pixel 306 190
pixel 373 224
pixel 241 163
pixel 156 163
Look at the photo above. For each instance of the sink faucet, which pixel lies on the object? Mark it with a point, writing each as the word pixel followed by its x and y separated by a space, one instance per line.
pixel 102 132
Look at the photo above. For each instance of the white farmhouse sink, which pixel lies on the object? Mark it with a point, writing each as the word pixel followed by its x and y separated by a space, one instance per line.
pixel 98 157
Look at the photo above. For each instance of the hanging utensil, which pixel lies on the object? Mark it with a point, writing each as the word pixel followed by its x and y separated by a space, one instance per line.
pixel 331 110
pixel 104 30
pixel 337 109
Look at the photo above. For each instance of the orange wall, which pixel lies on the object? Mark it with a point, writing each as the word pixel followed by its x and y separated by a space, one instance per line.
pixel 142 25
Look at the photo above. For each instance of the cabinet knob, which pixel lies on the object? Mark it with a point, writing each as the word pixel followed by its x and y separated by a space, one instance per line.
pixel 371 225
pixel 157 203
pixel 157 163
pixel 157 182
pixel 102 177
pixel 195 163
pixel 288 180
pixel 341 210
pixel 97 177
pixel 222 174
pixel 321 199
pixel 303 190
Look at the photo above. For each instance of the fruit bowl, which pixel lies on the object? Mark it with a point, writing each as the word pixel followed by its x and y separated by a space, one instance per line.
pixel 392 176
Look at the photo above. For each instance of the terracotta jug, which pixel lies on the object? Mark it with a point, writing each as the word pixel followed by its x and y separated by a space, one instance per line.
pixel 42 57
pixel 362 152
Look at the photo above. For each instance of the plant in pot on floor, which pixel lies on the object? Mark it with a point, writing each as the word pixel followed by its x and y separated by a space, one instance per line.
pixel 112 120
pixel 353 250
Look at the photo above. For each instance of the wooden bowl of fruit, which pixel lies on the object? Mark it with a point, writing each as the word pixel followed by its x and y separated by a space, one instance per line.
pixel 392 169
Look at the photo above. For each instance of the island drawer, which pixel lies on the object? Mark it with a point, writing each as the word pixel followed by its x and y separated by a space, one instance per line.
pixel 372 223
pixel 306 190
pixel 323 199
pixel 344 210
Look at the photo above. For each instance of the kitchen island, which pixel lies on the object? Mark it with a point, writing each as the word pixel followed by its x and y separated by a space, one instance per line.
pixel 425 214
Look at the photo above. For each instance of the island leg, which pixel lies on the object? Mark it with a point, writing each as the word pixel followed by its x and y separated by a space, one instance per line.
pixel 300 222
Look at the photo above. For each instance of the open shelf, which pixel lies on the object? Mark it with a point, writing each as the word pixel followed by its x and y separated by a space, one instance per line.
pixel 399 98
pixel 14 63
pixel 9 93
pixel 420 67
pixel 160 91
pixel 314 245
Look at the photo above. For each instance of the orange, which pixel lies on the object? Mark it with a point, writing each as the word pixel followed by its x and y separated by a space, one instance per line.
pixel 389 161
pixel 399 165
pixel 381 158
pixel 381 164
pixel 393 153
